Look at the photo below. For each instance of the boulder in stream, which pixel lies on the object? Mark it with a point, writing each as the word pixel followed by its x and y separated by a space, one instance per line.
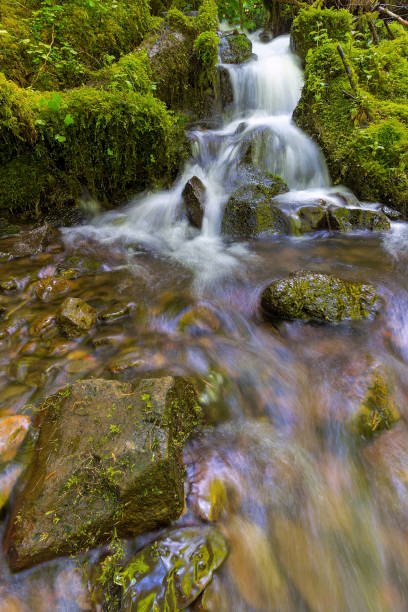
pixel 108 457
pixel 76 317
pixel 172 572
pixel 348 219
pixel 194 198
pixel 309 295
pixel 250 210
pixel 235 48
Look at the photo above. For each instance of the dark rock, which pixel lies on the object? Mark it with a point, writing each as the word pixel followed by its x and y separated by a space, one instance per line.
pixel 265 37
pixel 27 243
pixel 172 572
pixel 194 198
pixel 76 317
pixel 250 210
pixel 308 295
pixel 226 94
pixel 108 458
pixel 312 218
pixel 235 48
pixel 348 219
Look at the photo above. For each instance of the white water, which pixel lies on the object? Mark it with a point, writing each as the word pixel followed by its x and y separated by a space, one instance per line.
pixel 266 92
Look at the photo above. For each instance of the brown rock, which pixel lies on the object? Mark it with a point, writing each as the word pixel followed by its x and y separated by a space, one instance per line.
pixel 194 198
pixel 13 430
pixel 76 317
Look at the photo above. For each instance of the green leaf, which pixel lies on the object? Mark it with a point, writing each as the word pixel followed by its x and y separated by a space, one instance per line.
pixel 60 138
pixel 109 151
pixel 39 122
pixel 69 120
pixel 55 102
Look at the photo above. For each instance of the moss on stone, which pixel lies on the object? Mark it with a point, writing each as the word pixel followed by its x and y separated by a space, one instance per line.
pixel 377 411
pixel 313 26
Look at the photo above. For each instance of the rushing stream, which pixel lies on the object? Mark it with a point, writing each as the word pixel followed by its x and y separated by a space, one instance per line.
pixel 316 517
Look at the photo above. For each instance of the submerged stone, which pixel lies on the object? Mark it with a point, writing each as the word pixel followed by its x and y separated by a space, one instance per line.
pixel 250 210
pixel 194 198
pixel 309 295
pixel 31 242
pixel 51 288
pixel 235 48
pixel 169 575
pixel 108 457
pixel 13 430
pixel 199 319
pixel 76 317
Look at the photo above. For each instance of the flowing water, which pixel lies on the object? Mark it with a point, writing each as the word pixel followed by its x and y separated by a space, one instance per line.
pixel 316 517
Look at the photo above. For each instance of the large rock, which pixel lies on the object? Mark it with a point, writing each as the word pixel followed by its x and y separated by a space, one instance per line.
pixel 194 198
pixel 225 91
pixel 235 48
pixel 172 572
pixel 108 457
pixel 348 219
pixel 76 317
pixel 308 295
pixel 31 242
pixel 250 210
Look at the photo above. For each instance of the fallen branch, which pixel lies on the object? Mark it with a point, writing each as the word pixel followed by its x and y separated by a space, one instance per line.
pixel 400 20
pixel 347 69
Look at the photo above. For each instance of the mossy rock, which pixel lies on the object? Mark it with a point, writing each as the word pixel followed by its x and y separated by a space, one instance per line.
pixel 235 48
pixel 348 219
pixel 108 459
pixel 312 22
pixel 308 295
pixel 172 572
pixel 75 317
pixel 250 210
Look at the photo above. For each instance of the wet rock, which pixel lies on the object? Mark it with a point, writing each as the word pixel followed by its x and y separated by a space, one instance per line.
pixel 235 48
pixel 13 430
pixel 26 243
pixel 392 214
pixel 376 409
pixel 265 37
pixel 52 288
pixel 348 219
pixel 117 311
pixel 130 360
pixel 250 210
pixel 225 90
pixel 43 325
pixel 193 199
pixel 108 457
pixel 8 478
pixel 312 218
pixel 172 572
pixel 76 317
pixel 199 319
pixel 308 295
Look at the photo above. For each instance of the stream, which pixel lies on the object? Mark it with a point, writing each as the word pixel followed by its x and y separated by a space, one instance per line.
pixel 316 517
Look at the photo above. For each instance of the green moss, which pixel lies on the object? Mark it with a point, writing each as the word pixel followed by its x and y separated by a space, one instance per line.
pixel 313 26
pixel 378 410
pixel 207 20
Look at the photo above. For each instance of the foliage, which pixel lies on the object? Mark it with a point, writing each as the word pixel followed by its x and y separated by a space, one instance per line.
pixel 206 48
pixel 207 20
pixel 253 11
pixel 312 27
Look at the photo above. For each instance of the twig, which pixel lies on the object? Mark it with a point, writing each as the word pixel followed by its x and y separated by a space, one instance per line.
pixel 46 57
pixel 347 69
pixel 384 10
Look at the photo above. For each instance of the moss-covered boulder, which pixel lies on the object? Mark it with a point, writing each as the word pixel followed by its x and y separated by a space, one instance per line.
pixel 108 458
pixel 250 210
pixel 235 48
pixel 348 219
pixel 172 572
pixel 308 295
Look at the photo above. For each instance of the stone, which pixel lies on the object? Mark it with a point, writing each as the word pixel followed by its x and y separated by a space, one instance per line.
pixel 391 213
pixel 312 218
pixel 172 572
pixel 193 199
pixel 309 295
pixel 235 48
pixel 52 287
pixel 76 317
pixel 42 325
pixel 108 459
pixel 31 242
pixel 225 90
pixel 349 219
pixel 13 430
pixel 114 312
pixel 250 210
pixel 8 478
pixel 199 319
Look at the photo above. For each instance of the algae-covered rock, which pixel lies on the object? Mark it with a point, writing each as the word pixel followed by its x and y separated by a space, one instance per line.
pixel 235 48
pixel 194 198
pixel 169 575
pixel 108 457
pixel 312 218
pixel 76 317
pixel 308 295
pixel 250 210
pixel 348 219
pixel 376 409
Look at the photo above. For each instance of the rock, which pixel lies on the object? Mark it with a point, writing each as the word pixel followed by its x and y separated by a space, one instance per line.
pixel 108 457
pixel 375 408
pixel 76 317
pixel 13 430
pixel 26 243
pixel 235 48
pixel 265 37
pixel 199 319
pixel 225 90
pixel 172 572
pixel 8 478
pixel 43 325
pixel 114 312
pixel 392 214
pixel 250 210
pixel 312 218
pixel 52 288
pixel 348 219
pixel 194 198
pixel 309 295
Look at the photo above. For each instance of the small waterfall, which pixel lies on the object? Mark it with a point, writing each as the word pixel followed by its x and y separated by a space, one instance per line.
pixel 266 91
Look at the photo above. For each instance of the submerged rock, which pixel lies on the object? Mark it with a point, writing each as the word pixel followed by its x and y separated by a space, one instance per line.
pixel 199 319
pixel 170 574
pixel 235 48
pixel 308 295
pixel 52 287
pixel 348 219
pixel 194 198
pixel 250 210
pixel 108 457
pixel 26 243
pixel 76 317
pixel 13 430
